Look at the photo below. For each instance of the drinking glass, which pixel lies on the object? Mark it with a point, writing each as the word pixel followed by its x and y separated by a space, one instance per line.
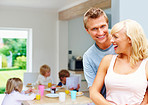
pixel 73 94
pixel 49 85
pixel 38 95
pixel 67 90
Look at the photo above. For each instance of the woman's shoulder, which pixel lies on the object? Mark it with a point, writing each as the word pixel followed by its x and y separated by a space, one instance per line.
pixel 106 60
pixel 108 57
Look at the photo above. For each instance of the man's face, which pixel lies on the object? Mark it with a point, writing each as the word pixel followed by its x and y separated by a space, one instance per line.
pixel 98 29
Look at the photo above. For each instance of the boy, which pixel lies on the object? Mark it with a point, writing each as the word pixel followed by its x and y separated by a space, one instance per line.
pixel 62 76
pixel 44 76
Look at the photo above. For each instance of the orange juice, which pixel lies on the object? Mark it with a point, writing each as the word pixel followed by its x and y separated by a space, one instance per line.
pixel 67 91
pixel 49 85
pixel 38 97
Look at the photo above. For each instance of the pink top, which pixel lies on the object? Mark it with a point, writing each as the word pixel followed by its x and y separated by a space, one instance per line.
pixel 126 89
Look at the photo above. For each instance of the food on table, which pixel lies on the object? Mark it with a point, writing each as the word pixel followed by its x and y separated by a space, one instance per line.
pixel 29 84
pixel 58 86
pixel 79 93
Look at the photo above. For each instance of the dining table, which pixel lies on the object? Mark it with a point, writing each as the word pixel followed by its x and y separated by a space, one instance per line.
pixel 45 100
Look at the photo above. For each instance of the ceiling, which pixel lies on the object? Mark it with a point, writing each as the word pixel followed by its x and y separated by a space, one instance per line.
pixel 48 4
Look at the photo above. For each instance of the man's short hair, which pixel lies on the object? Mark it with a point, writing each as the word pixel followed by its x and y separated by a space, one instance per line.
pixel 93 13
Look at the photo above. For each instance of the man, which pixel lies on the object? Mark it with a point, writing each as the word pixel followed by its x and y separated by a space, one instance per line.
pixel 96 24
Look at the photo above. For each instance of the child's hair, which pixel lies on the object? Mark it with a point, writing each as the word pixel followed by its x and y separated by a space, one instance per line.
pixel 63 73
pixel 14 84
pixel 44 69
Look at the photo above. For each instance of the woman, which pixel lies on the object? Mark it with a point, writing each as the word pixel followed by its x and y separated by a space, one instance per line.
pixel 125 74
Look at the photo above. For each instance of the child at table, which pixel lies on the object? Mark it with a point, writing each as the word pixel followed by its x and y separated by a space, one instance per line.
pixel 14 94
pixel 63 74
pixel 44 76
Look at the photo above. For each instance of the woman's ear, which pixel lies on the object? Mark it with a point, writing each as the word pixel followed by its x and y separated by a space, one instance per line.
pixel 129 40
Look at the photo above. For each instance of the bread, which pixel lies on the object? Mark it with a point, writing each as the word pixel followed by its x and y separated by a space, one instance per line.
pixel 79 93
pixel 29 84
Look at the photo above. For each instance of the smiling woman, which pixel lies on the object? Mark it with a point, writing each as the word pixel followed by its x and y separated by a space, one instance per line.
pixel 125 75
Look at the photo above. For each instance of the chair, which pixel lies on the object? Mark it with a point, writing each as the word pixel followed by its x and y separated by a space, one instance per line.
pixel 30 77
pixel 1 98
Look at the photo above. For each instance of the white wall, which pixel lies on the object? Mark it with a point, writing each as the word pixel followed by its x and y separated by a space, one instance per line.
pixel 44 26
pixel 62 46
pixel 130 9
pixel 78 39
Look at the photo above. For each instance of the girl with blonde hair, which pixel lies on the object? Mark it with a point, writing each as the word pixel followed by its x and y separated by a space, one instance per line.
pixel 14 94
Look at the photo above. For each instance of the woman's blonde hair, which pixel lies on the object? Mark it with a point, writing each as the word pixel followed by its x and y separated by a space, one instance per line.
pixel 14 84
pixel 138 39
pixel 44 69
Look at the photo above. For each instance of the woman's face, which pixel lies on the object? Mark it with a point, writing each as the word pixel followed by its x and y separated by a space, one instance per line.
pixel 121 42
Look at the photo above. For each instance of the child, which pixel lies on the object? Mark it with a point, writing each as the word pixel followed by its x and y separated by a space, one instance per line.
pixel 14 93
pixel 63 74
pixel 44 76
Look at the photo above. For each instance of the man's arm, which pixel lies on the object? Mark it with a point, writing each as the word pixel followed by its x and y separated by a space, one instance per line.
pixel 88 71
pixel 95 89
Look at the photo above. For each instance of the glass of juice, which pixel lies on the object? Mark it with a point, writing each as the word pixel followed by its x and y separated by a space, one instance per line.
pixel 38 95
pixel 67 90
pixel 49 85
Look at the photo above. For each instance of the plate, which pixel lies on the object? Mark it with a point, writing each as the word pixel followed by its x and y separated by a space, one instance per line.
pixel 52 95
pixel 78 93
pixel 29 85
pixel 48 89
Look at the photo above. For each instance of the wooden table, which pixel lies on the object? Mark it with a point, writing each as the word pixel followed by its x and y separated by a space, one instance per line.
pixel 80 100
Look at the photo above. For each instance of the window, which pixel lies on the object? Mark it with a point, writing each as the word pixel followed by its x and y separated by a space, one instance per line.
pixel 12 39
pixel 17 33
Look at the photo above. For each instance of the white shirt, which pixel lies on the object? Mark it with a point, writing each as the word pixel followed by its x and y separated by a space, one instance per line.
pixel 43 80
pixel 16 98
